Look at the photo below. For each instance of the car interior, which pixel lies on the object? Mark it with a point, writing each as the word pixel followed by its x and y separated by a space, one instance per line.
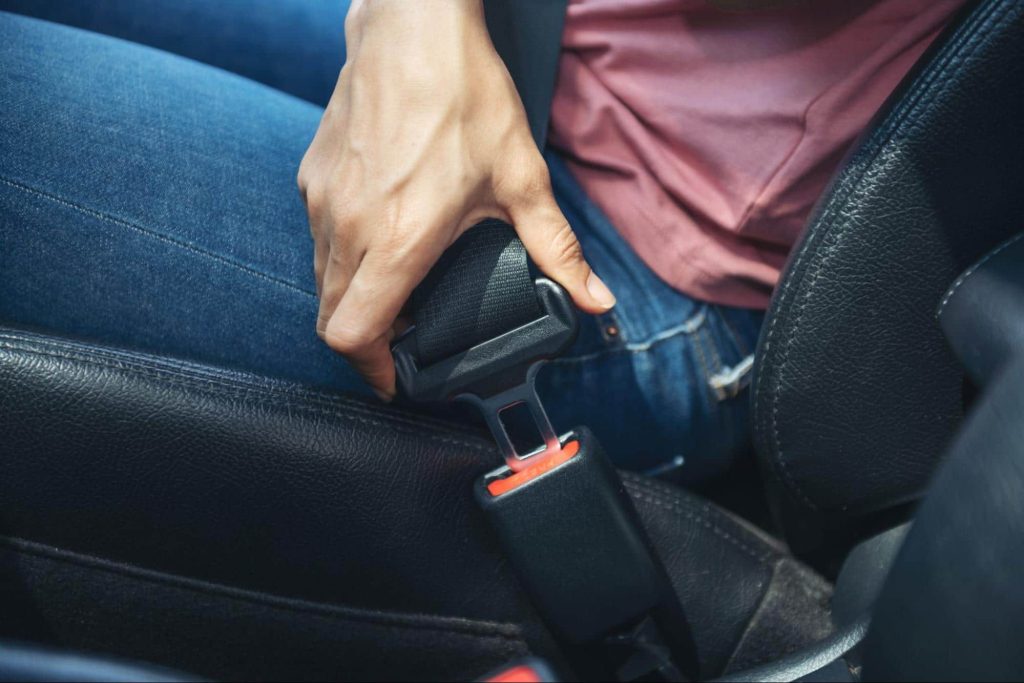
pixel 165 520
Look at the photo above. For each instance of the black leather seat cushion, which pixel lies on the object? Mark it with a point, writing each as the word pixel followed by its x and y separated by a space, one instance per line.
pixel 234 526
pixel 856 393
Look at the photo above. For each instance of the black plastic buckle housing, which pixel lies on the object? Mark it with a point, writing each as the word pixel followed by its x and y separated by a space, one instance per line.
pixel 577 544
pixel 499 373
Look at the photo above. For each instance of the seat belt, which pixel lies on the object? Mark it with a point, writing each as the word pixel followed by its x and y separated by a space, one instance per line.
pixel 482 286
pixel 482 328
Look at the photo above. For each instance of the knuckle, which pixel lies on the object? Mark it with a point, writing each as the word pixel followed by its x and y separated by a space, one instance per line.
pixel 352 22
pixel 533 182
pixel 565 248
pixel 393 248
pixel 336 256
pixel 522 176
pixel 308 177
pixel 398 242
pixel 315 194
pixel 347 211
pixel 341 240
pixel 349 340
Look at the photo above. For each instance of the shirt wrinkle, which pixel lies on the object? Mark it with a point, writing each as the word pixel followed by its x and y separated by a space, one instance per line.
pixel 706 137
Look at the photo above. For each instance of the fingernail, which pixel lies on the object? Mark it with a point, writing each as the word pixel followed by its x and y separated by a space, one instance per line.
pixel 599 290
pixel 384 396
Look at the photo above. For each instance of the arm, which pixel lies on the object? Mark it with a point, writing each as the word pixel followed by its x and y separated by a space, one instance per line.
pixel 423 137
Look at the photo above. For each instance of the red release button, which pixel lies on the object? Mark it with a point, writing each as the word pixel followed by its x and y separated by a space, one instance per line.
pixel 517 674
pixel 510 483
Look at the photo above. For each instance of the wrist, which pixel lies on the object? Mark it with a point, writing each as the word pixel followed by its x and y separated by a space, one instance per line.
pixel 424 15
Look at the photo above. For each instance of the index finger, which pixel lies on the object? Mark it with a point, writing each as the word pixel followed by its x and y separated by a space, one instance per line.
pixel 361 327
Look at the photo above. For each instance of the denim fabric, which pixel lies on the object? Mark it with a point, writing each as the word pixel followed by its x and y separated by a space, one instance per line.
pixel 149 201
pixel 297 46
pixel 660 377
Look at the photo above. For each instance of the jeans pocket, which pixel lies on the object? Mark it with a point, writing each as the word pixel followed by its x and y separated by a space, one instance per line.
pixel 725 348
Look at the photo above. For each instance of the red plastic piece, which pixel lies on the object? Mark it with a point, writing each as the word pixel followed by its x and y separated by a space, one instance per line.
pixel 511 483
pixel 517 674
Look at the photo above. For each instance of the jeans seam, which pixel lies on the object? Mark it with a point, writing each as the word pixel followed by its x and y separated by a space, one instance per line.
pixel 703 356
pixel 692 325
pixel 150 233
pixel 740 345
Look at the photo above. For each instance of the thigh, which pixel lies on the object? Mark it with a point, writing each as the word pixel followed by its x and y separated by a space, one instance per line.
pixel 297 46
pixel 147 200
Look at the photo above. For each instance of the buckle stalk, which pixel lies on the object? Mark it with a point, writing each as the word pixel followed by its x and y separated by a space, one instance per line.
pixel 522 394
pixel 500 373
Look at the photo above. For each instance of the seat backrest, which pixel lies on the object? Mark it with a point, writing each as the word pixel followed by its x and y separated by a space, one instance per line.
pixel 856 393
pixel 952 608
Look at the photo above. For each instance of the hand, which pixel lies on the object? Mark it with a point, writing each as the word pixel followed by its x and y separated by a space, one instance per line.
pixel 424 136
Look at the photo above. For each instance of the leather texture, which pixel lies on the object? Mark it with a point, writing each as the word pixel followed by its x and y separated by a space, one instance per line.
pixel 952 608
pixel 856 393
pixel 236 527
pixel 982 314
pixel 727 574
pixel 824 661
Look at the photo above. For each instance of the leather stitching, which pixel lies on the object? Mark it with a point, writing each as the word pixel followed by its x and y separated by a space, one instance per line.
pixel 238 385
pixel 970 271
pixel 640 490
pixel 424 622
pixel 219 389
pixel 970 32
pixel 705 515
pixel 778 457
pixel 900 117
pixel 225 377
pixel 213 388
pixel 717 531
pixel 155 235
pixel 230 378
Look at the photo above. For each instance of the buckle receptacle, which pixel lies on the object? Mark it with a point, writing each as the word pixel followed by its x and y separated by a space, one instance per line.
pixel 498 374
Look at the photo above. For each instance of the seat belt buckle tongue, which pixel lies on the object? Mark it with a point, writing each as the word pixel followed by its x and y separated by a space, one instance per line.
pixel 499 374
pixel 524 394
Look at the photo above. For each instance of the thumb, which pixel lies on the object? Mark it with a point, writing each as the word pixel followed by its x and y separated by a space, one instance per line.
pixel 551 243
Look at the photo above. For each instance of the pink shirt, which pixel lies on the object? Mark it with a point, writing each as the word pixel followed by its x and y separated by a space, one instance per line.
pixel 707 136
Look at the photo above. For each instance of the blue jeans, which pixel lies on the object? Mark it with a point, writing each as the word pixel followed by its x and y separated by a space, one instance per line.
pixel 148 200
